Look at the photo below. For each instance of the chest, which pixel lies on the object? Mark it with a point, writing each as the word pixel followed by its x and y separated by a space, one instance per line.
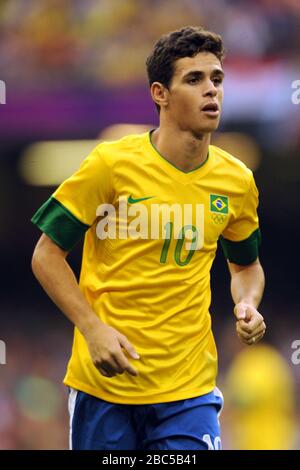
pixel 156 205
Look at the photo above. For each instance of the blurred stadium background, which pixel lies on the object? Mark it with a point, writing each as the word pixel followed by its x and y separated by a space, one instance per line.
pixel 74 73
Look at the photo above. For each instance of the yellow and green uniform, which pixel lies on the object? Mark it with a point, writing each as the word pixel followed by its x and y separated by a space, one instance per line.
pixel 154 291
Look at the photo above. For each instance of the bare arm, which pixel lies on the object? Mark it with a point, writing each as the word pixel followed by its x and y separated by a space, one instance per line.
pixel 247 286
pixel 58 280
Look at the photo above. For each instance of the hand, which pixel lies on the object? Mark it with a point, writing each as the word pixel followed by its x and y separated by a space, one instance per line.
pixel 250 325
pixel 104 343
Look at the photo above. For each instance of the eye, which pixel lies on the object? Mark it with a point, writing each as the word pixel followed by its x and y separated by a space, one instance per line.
pixel 193 80
pixel 217 80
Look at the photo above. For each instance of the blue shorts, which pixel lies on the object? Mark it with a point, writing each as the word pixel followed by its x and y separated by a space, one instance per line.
pixel 191 424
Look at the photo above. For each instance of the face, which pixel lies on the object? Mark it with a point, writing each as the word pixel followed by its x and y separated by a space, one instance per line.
pixel 194 98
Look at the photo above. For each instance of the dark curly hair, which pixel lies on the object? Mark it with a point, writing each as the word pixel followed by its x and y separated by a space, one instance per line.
pixel 185 42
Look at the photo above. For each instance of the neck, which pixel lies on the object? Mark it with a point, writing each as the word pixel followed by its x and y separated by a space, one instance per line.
pixel 181 148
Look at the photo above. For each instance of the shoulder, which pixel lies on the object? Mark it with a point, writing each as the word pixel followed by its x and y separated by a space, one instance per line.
pixel 113 152
pixel 231 165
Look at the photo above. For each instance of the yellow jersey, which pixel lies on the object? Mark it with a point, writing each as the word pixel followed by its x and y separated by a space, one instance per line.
pixel 152 285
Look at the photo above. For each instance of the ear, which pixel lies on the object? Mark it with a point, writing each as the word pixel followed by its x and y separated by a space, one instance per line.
pixel 160 94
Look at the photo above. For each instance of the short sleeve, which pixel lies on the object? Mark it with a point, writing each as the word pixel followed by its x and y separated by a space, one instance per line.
pixel 241 238
pixel 71 210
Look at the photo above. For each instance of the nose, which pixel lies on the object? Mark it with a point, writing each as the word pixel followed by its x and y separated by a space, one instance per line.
pixel 210 89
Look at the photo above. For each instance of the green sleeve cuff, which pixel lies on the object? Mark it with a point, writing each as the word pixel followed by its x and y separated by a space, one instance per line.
pixel 59 224
pixel 243 252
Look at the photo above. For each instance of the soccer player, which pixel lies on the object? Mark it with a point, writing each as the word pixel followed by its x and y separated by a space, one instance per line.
pixel 144 363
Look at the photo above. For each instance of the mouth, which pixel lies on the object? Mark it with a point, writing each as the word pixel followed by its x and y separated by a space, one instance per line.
pixel 211 109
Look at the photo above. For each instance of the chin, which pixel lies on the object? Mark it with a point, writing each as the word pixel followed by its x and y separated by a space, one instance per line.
pixel 205 129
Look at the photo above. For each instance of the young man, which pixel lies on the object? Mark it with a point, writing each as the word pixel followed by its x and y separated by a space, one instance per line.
pixel 147 293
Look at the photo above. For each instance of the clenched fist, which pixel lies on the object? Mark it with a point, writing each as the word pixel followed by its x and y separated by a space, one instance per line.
pixel 250 325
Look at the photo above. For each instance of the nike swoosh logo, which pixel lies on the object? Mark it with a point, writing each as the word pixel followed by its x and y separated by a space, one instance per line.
pixel 131 200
